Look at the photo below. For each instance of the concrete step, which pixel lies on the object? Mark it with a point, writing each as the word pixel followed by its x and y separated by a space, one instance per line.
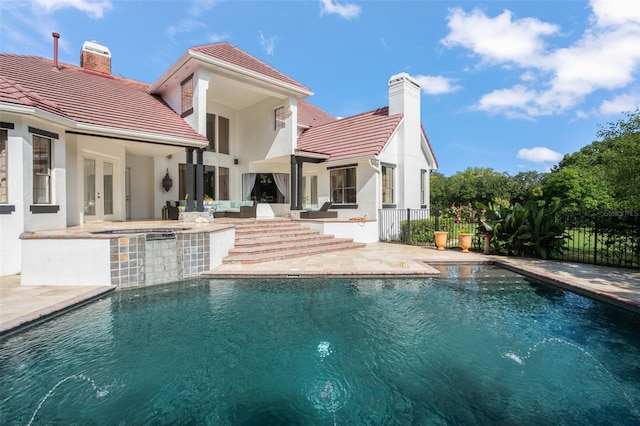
pixel 251 241
pixel 284 245
pixel 252 258
pixel 267 240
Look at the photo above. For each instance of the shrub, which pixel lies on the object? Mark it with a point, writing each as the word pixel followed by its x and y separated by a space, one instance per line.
pixel 530 230
pixel 421 231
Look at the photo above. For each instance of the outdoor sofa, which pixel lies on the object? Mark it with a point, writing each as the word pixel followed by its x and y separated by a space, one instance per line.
pixel 223 208
pixel 238 209
pixel 321 213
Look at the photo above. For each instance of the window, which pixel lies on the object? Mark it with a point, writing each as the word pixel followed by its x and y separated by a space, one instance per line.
pixel 223 136
pixel 4 173
pixel 41 170
pixel 211 132
pixel 210 182
pixel 388 173
pixel 343 185
pixel 423 187
pixel 223 180
pixel 186 95
pixel 279 118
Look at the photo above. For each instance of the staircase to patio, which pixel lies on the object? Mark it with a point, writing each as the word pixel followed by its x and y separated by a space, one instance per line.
pixel 267 240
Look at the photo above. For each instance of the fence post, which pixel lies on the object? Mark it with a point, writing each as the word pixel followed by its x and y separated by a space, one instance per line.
pixel 409 226
pixel 595 241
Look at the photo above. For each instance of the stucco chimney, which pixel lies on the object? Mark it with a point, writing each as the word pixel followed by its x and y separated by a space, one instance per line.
pixel 404 98
pixel 404 94
pixel 95 57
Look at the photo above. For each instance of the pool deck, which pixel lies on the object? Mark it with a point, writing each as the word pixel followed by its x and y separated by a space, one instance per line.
pixel 24 305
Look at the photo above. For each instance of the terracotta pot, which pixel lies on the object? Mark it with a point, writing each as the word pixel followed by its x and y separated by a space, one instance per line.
pixel 441 239
pixel 464 240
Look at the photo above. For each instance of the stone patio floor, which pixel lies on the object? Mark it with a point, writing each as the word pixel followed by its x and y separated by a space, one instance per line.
pixel 23 305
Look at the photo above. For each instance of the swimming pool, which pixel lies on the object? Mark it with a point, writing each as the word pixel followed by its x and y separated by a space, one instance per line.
pixel 479 345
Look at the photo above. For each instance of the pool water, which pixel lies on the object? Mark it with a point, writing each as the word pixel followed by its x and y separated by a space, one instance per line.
pixel 478 345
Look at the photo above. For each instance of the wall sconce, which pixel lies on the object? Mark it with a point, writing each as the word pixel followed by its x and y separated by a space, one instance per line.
pixel 236 161
pixel 167 183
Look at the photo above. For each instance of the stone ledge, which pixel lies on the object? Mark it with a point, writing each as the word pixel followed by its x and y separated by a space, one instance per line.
pixel 195 217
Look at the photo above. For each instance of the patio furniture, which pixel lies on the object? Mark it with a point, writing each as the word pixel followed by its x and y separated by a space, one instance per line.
pixel 172 211
pixel 236 209
pixel 322 213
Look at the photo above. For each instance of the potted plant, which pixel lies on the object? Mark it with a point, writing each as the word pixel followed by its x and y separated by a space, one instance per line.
pixel 464 240
pixel 441 239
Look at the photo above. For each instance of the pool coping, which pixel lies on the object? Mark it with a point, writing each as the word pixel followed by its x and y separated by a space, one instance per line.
pixel 574 285
pixel 525 267
pixel 44 314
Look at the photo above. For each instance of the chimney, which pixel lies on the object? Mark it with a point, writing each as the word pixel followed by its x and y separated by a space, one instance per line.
pixel 404 98
pixel 56 36
pixel 404 94
pixel 95 57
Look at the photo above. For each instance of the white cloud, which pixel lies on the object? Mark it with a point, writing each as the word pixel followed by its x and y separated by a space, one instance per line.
pixel 215 38
pixel 436 85
pixel 198 7
pixel 621 103
pixel 185 26
pixel 539 154
pixel 498 39
pixel 615 12
pixel 516 102
pixel 347 11
pixel 553 81
pixel 95 9
pixel 268 43
pixel 528 76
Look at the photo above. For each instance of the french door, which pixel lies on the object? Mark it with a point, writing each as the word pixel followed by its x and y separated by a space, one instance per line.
pixel 99 180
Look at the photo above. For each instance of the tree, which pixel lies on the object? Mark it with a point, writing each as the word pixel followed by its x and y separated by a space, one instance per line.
pixel 524 186
pixel 604 175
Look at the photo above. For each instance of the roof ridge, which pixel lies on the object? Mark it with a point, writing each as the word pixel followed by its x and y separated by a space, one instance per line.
pixel 245 62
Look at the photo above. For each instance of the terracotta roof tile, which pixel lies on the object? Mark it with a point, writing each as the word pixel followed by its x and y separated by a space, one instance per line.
pixel 310 115
pixel 227 52
pixel 361 135
pixel 88 97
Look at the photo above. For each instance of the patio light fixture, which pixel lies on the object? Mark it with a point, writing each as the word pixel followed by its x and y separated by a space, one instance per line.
pixel 167 182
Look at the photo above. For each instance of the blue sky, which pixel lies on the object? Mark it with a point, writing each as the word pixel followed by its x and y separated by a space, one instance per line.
pixel 511 85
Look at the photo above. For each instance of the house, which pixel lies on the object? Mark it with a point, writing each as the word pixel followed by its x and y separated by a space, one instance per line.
pixel 79 144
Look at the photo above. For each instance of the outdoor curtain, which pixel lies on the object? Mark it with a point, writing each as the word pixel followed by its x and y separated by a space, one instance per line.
pixel 282 182
pixel 248 182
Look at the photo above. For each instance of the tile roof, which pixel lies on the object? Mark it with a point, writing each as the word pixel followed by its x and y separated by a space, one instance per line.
pixel 310 115
pixel 227 52
pixel 361 135
pixel 88 97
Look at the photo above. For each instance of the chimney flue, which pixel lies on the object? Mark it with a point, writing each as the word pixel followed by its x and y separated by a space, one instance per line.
pixel 56 36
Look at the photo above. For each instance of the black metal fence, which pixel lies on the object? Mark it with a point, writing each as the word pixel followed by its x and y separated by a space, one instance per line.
pixel 417 227
pixel 611 238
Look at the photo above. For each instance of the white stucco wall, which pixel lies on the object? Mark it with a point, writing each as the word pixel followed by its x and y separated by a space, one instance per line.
pixel 220 242
pixel 65 262
pixel 12 224
pixel 257 138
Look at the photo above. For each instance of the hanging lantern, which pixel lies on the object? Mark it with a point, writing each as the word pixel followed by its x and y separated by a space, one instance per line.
pixel 167 183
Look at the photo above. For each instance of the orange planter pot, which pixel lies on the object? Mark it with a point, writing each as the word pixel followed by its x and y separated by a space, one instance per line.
pixel 441 239
pixel 464 240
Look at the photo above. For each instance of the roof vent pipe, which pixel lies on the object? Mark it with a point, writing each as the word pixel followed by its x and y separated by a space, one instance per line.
pixel 56 36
